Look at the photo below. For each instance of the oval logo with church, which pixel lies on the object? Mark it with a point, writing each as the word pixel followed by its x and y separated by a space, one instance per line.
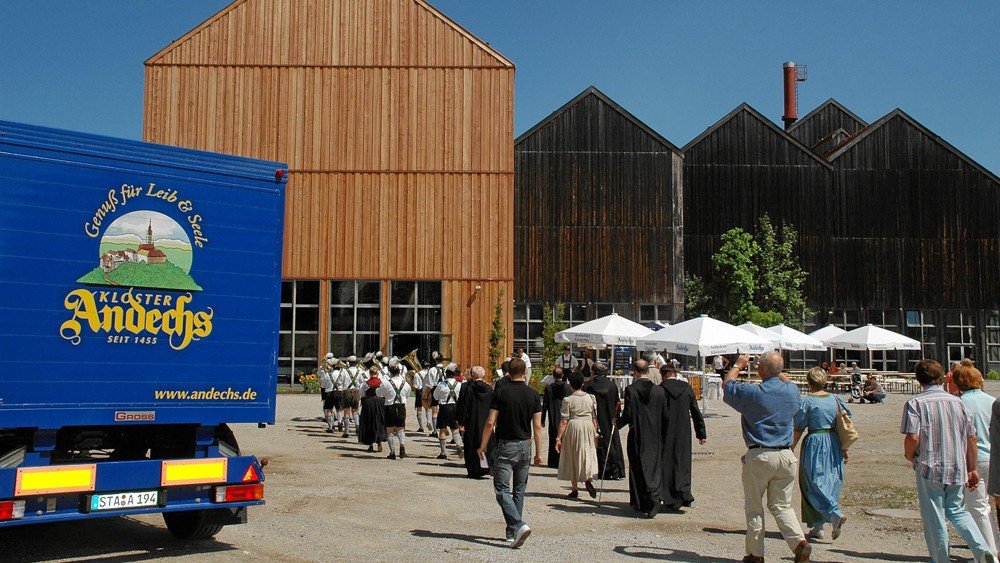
pixel 144 249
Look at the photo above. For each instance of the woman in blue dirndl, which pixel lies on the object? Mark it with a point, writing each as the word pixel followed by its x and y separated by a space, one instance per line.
pixel 821 463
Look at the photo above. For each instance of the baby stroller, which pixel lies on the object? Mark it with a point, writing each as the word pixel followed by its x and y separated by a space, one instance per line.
pixel 857 388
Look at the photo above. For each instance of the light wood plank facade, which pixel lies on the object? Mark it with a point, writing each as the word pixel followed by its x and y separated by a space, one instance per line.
pixel 397 127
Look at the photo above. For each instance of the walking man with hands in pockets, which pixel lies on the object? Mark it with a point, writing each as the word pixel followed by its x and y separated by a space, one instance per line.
pixel 769 466
pixel 515 415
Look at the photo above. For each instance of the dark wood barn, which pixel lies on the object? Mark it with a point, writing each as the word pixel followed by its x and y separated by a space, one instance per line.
pixel 743 167
pixel 826 127
pixel 597 217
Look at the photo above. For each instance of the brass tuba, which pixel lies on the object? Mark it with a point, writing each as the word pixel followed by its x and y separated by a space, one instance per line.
pixel 411 361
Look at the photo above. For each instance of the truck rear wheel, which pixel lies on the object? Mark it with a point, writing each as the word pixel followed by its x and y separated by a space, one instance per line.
pixel 190 525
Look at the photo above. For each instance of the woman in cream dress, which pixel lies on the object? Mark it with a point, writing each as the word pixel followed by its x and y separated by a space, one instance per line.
pixel 577 439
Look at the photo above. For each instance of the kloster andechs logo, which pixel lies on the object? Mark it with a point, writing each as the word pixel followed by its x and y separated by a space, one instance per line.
pixel 139 253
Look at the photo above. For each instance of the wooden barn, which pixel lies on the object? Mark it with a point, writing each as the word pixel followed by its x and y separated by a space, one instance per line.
pixel 397 127
pixel 896 227
pixel 597 218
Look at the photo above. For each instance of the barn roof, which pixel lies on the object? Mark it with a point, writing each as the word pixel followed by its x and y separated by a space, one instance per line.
pixel 256 8
pixel 748 109
pixel 593 91
pixel 900 114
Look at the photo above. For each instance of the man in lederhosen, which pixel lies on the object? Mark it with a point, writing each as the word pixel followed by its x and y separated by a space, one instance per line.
pixel 395 390
pixel 435 374
pixel 350 384
pixel 446 392
pixel 326 387
pixel 417 389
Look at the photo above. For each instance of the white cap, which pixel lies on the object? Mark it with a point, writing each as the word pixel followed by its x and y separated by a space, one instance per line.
pixel 352 358
pixel 451 368
pixel 329 356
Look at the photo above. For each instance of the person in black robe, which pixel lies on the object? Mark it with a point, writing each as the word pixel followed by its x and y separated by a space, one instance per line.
pixel 371 422
pixel 645 414
pixel 605 393
pixel 552 399
pixel 682 410
pixel 471 413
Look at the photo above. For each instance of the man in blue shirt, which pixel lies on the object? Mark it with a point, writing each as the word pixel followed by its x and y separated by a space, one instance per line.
pixel 769 466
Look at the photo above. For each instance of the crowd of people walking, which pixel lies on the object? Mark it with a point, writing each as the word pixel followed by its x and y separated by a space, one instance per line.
pixel 496 430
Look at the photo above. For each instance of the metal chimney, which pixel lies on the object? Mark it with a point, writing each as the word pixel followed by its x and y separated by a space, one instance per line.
pixel 792 75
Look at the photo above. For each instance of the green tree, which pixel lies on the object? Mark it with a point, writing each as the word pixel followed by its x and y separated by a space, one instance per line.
pixel 552 323
pixel 755 278
pixel 498 335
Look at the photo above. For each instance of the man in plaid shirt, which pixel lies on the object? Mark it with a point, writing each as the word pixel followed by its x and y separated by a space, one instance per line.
pixel 940 442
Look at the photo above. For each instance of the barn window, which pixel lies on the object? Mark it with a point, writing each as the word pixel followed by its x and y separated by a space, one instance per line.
pixel 298 334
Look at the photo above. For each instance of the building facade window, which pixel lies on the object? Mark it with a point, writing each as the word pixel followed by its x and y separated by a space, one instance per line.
pixel 960 335
pixel 920 326
pixel 888 319
pixel 415 318
pixel 651 313
pixel 528 321
pixel 355 317
pixel 992 340
pixel 298 333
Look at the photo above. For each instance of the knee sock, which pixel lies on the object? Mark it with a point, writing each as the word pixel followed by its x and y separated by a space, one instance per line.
pixel 441 444
pixel 434 421
pixel 354 419
pixel 458 439
pixel 420 419
pixel 392 444
pixel 329 422
pixel 401 436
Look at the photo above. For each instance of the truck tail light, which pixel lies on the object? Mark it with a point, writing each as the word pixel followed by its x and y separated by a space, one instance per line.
pixel 239 493
pixel 11 509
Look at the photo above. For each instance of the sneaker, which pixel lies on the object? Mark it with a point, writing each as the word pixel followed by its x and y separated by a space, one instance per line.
pixel 520 536
pixel 402 452
pixel 837 526
pixel 802 551
pixel 442 456
pixel 391 456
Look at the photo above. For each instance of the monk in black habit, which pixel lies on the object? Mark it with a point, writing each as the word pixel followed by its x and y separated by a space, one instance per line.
pixel 471 412
pixel 645 414
pixel 682 410
pixel 552 399
pixel 605 392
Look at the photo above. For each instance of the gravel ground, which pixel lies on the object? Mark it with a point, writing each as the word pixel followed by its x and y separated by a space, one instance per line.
pixel 327 499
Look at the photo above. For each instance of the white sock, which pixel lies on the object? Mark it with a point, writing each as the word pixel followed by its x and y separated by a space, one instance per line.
pixel 420 419
pixel 329 422
pixel 354 419
pixel 434 421
pixel 401 436
pixel 441 443
pixel 392 444
pixel 458 439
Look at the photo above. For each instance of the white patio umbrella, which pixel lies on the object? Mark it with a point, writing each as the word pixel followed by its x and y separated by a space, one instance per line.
pixel 611 330
pixel 871 338
pixel 827 332
pixel 777 339
pixel 704 336
pixel 800 339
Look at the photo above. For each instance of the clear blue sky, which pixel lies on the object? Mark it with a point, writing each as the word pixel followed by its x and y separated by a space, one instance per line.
pixel 677 65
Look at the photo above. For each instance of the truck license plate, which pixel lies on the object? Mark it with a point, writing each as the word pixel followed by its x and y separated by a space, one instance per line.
pixel 124 501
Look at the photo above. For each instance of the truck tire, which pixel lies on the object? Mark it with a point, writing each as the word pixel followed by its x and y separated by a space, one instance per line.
pixel 190 525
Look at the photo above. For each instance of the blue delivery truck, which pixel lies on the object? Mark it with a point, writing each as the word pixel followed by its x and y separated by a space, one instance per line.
pixel 140 291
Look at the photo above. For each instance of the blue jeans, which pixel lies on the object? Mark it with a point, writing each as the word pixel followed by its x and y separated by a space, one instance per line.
pixel 513 459
pixel 937 502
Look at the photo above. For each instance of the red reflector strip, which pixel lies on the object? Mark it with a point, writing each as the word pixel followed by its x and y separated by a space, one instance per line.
pixel 239 493
pixel 11 510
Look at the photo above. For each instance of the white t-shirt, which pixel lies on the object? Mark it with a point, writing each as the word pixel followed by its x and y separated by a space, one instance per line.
pixel 418 380
pixel 717 363
pixel 325 379
pixel 388 390
pixel 447 391
pixel 567 362
pixel 350 378
pixel 527 360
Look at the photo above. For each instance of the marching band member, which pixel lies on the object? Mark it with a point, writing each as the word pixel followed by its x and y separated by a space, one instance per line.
pixel 446 392
pixel 394 392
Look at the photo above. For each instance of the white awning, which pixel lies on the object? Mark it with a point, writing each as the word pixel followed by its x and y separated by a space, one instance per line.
pixel 611 330
pixel 704 336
